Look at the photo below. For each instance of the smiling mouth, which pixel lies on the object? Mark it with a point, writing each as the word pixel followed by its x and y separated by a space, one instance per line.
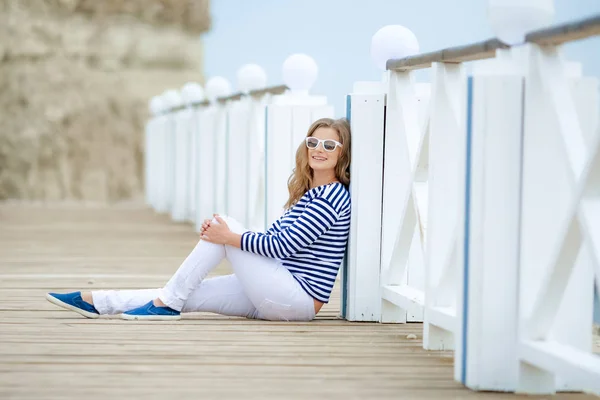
pixel 319 158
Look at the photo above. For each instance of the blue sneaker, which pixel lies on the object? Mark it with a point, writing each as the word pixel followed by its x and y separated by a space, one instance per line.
pixel 150 312
pixel 73 302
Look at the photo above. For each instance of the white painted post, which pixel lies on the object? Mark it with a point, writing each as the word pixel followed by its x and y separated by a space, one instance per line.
pixel 488 232
pixel 148 155
pixel 161 131
pixel 404 199
pixel 192 94
pixel 152 153
pixel 571 328
pixel 194 131
pixel 173 100
pixel 165 125
pixel 220 159
pixel 560 241
pixel 361 280
pixel 278 155
pixel 205 180
pixel 446 188
pixel 242 163
pixel 288 118
pixel 218 87
pixel 181 120
pixel 374 280
pixel 256 164
pixel 238 126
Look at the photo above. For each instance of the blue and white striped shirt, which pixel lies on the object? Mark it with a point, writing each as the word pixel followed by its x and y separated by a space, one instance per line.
pixel 310 238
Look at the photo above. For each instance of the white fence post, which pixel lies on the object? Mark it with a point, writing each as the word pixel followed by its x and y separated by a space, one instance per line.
pixel 288 118
pixel 445 191
pixel 238 127
pixel 529 247
pixel 152 156
pixel 287 122
pixel 560 233
pixel 205 180
pixel 487 243
pixel 164 126
pixel 221 158
pixel 402 237
pixel 361 279
pixel 218 88
pixel 193 95
pixel 180 175
pixel 256 163
pixel 161 132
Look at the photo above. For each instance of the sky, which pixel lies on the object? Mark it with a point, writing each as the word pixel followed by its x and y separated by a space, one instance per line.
pixel 337 34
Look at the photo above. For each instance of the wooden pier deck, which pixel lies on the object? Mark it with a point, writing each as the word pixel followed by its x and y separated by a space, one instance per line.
pixel 49 353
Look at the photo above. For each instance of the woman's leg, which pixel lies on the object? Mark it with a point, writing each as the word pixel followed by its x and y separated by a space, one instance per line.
pixel 109 302
pixel 269 285
pixel 203 258
pixel 221 295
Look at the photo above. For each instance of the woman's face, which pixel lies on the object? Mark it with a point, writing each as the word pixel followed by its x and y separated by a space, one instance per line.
pixel 319 159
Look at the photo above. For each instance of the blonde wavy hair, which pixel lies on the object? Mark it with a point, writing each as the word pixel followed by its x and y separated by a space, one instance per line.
pixel 301 179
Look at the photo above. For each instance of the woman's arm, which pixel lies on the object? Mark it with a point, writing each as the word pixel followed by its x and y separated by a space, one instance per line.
pixel 316 219
pixel 234 239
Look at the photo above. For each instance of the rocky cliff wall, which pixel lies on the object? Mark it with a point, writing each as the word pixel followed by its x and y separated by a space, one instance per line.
pixel 75 79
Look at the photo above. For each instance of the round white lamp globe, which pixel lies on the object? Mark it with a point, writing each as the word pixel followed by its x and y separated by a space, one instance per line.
pixel 216 87
pixel 192 92
pixel 511 20
pixel 156 105
pixel 251 77
pixel 392 42
pixel 172 99
pixel 300 72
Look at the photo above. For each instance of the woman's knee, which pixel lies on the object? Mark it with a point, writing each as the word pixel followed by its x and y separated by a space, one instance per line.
pixel 276 311
pixel 232 223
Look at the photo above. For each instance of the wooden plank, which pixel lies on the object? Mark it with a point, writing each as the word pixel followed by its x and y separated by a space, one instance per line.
pixel 46 352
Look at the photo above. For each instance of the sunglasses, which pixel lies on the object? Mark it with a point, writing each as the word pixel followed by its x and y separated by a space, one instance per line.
pixel 329 145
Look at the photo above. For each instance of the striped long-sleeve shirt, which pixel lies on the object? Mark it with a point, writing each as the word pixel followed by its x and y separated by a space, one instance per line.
pixel 310 238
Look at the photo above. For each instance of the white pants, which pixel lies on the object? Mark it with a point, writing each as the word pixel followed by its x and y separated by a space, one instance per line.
pixel 260 287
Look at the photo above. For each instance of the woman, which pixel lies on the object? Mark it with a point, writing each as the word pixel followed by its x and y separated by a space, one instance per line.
pixel 286 273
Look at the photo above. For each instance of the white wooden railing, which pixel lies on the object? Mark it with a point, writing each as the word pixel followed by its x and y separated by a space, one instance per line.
pixel 476 196
pixel 228 154
pixel 490 209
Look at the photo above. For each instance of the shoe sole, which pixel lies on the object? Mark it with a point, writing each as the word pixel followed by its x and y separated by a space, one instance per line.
pixel 69 307
pixel 150 317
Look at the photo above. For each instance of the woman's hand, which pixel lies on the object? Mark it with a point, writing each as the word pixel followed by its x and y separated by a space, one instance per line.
pixel 216 233
pixel 205 226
